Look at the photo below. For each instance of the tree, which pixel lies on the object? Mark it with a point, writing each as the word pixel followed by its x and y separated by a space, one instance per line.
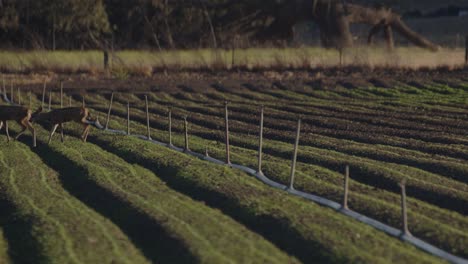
pixel 9 17
pixel 275 19
pixel 189 23
pixel 84 21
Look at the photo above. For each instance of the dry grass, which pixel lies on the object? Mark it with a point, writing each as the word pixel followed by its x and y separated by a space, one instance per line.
pixel 145 63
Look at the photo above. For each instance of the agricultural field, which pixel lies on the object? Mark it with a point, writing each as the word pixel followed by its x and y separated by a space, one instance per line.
pixel 120 199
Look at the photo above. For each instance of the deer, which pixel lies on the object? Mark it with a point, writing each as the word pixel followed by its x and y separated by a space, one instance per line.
pixel 21 115
pixel 57 117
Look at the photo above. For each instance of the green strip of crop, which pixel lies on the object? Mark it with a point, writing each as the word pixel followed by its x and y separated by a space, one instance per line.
pixel 402 155
pixel 446 237
pixel 428 220
pixel 62 229
pixel 448 166
pixel 339 236
pixel 330 158
pixel 209 235
pixel 322 156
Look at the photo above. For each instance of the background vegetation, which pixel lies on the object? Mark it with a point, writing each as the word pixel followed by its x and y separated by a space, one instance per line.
pixel 156 24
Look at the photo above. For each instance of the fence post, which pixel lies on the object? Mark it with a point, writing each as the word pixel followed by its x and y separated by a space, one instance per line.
pixel 341 56
pixel 466 49
pixel 43 93
pixel 19 95
pixel 206 152
pixel 106 62
pixel 186 134
pixel 346 187
pixel 226 121
pixel 260 143
pixel 4 89
pixel 5 92
pixel 170 126
pixel 109 111
pixel 404 214
pixel 296 146
pixel 147 118
pixel 128 118
pixel 11 92
pixel 50 100
pixel 61 94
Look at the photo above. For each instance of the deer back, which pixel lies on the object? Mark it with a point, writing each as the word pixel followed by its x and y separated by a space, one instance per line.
pixel 64 115
pixel 14 112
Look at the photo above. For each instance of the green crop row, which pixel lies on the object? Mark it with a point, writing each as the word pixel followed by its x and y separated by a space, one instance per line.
pixel 315 233
pixel 167 226
pixel 390 172
pixel 273 116
pixel 428 221
pixel 45 224
pixel 329 236
pixel 242 123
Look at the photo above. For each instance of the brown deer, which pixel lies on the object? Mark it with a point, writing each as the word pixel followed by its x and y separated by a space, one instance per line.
pixel 57 117
pixel 21 115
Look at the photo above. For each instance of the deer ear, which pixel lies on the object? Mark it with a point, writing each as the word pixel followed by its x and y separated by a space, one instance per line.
pixel 39 109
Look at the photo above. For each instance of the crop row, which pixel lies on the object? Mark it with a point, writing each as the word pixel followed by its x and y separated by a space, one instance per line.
pixel 247 123
pixel 346 122
pixel 331 160
pixel 325 235
pixel 428 220
pixel 106 183
pixel 246 113
pixel 43 222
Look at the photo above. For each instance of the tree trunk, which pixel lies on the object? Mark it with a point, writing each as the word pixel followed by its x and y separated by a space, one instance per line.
pixel 169 38
pixel 335 21
pixel 213 34
pixel 153 33
pixel 53 34
pixel 412 36
pixel 389 37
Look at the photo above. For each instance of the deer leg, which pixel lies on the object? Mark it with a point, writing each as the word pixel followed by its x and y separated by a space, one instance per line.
pixel 7 132
pixel 27 125
pixel 84 130
pixel 52 132
pixel 23 128
pixel 87 133
pixel 1 125
pixel 84 135
pixel 33 131
pixel 61 131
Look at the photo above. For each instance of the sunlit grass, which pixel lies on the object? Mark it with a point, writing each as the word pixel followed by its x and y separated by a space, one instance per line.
pixel 146 62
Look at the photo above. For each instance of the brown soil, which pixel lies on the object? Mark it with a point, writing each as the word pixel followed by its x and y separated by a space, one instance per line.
pixel 348 77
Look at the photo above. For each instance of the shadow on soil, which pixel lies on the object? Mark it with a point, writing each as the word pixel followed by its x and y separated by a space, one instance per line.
pixel 154 242
pixel 273 229
pixel 23 247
